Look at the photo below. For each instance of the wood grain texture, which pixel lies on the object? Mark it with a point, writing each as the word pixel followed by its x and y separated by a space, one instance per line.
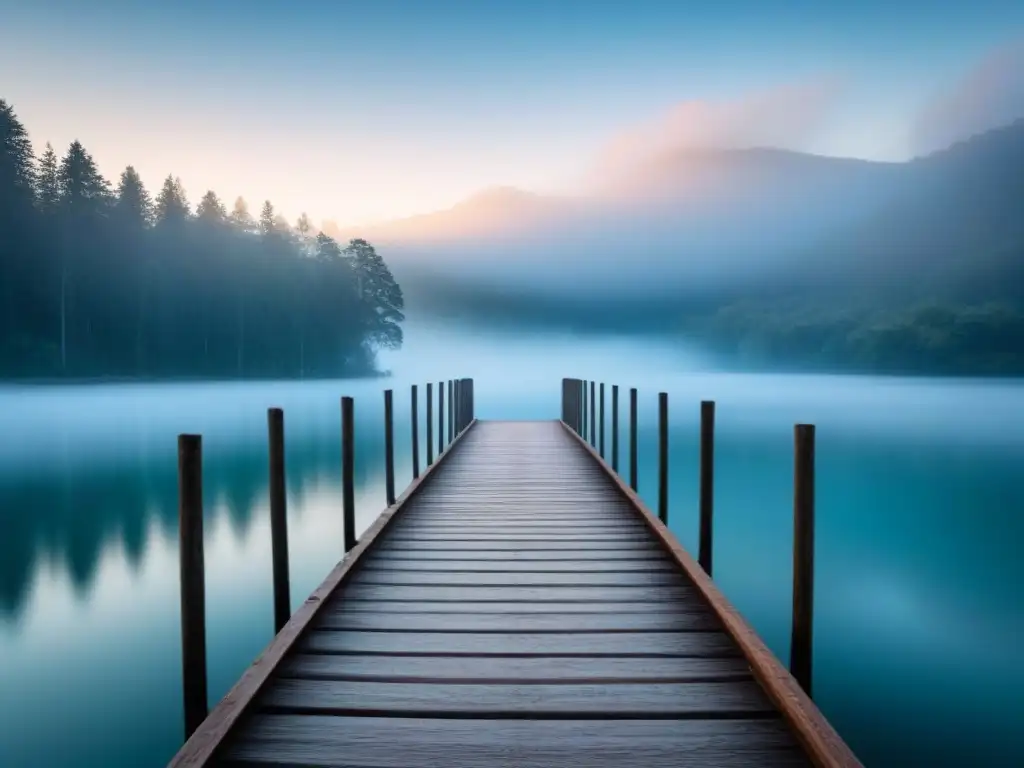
pixel 499 607
pixel 623 594
pixel 561 565
pixel 202 745
pixel 539 670
pixel 613 581
pixel 707 644
pixel 736 699
pixel 824 746
pixel 520 622
pixel 368 742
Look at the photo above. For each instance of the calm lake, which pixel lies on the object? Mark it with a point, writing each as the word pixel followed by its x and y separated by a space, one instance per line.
pixel 920 498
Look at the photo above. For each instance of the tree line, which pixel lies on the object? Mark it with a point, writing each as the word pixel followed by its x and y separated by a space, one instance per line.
pixel 99 279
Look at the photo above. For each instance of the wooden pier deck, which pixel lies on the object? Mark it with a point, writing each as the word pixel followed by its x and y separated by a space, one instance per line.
pixel 517 607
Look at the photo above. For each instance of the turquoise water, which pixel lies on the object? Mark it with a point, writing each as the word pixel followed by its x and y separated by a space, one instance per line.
pixel 920 524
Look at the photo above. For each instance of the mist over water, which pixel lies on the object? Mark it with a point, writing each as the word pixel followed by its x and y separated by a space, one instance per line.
pixel 918 613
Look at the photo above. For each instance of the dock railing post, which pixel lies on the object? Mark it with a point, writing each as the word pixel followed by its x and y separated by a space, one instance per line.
pixel 583 434
pixel 600 428
pixel 472 403
pixel 801 643
pixel 348 467
pixel 593 414
pixel 430 423
pixel 440 418
pixel 193 580
pixel 707 483
pixel 615 427
pixel 278 519
pixel 632 440
pixel 663 457
pixel 451 410
pixel 389 447
pixel 458 406
pixel 415 418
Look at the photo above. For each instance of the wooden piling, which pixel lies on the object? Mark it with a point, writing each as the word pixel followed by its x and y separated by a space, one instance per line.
pixel 278 519
pixel 193 580
pixel 615 427
pixel 663 457
pixel 451 411
pixel 440 418
pixel 389 448
pixel 430 423
pixel 593 414
pixel 600 428
pixel 348 471
pixel 584 433
pixel 632 440
pixel 803 556
pixel 415 418
pixel 707 482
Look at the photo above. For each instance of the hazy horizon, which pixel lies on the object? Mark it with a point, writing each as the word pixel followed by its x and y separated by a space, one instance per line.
pixel 383 112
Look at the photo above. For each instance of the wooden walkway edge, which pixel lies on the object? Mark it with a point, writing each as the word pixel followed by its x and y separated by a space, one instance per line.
pixel 823 744
pixel 200 748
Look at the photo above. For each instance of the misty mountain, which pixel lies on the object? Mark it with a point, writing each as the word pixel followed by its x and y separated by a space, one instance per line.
pixel 691 220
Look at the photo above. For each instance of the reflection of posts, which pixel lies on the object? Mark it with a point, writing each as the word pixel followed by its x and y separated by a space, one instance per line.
pixel 193 577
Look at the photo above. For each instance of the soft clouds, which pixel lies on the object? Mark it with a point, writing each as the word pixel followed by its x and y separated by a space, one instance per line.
pixel 785 117
pixel 989 96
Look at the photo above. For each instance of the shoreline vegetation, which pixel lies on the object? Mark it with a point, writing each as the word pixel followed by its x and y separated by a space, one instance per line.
pixel 104 283
pixel 977 340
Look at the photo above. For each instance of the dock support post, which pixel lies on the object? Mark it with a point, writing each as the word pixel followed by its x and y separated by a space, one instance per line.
pixel 615 427
pixel 593 414
pixel 278 519
pixel 584 434
pixel 581 388
pixel 565 401
pixel 458 407
pixel 415 433
pixel 193 580
pixel 600 428
pixel 663 457
pixel 430 423
pixel 632 440
pixel 348 467
pixel 451 411
pixel 803 556
pixel 389 447
pixel 707 482
pixel 440 418
pixel 470 412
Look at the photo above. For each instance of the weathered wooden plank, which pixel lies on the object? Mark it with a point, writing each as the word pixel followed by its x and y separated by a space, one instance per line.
pixel 652 565
pixel 733 699
pixel 519 594
pixel 497 606
pixel 610 556
pixel 576 536
pixel 518 579
pixel 502 528
pixel 519 622
pixel 500 545
pixel 712 644
pixel 369 742
pixel 531 669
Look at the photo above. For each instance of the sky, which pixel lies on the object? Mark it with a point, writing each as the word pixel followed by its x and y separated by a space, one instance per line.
pixel 365 111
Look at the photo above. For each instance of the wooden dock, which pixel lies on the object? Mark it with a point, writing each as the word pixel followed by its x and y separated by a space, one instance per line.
pixel 517 607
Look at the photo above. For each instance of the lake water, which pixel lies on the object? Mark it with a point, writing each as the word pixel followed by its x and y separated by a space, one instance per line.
pixel 920 530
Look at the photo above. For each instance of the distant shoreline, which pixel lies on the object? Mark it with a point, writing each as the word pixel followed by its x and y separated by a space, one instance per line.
pixel 48 381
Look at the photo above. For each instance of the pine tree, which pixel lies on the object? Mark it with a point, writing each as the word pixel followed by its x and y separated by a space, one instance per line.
pixel 240 215
pixel 171 204
pixel 267 219
pixel 47 181
pixel 134 207
pixel 377 288
pixel 83 191
pixel 16 163
pixel 211 210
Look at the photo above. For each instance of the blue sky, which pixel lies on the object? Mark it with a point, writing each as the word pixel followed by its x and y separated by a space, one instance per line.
pixel 358 111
